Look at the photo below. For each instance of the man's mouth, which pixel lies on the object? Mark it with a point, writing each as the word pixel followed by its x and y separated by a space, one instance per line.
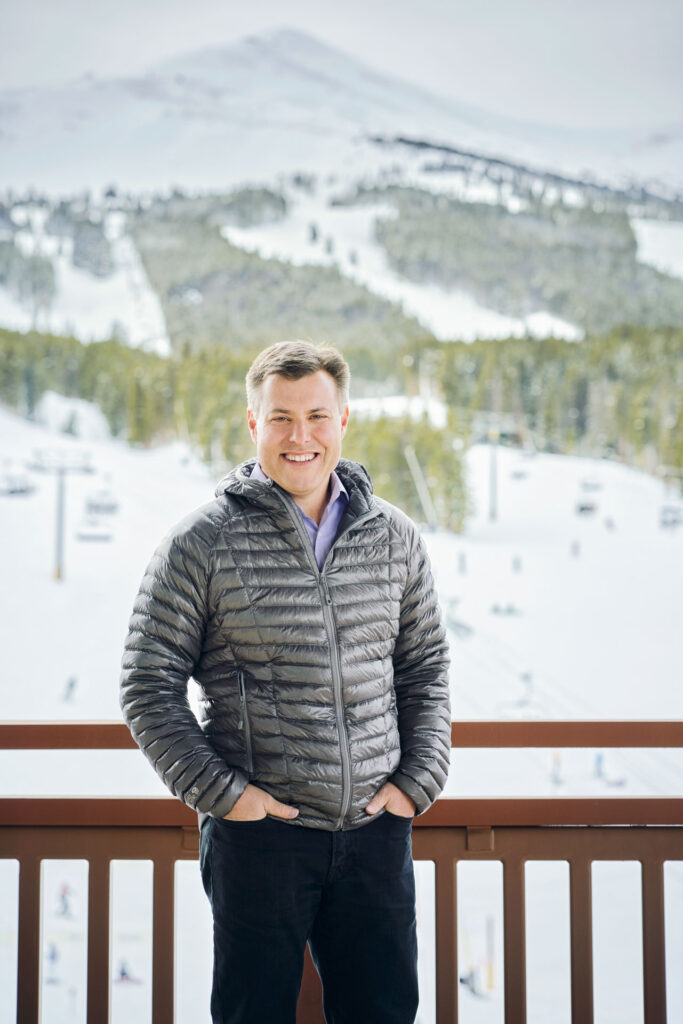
pixel 299 456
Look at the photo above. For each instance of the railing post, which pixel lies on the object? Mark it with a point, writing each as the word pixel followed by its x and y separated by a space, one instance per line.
pixel 581 940
pixel 654 960
pixel 163 934
pixel 28 982
pixel 515 941
pixel 98 941
pixel 447 978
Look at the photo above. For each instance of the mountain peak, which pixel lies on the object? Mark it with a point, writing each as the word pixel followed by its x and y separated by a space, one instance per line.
pixel 249 109
pixel 282 43
pixel 285 35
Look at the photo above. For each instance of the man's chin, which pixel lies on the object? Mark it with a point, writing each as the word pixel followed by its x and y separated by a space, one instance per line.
pixel 291 477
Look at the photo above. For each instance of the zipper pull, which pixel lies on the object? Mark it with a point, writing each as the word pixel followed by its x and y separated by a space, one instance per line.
pixel 326 592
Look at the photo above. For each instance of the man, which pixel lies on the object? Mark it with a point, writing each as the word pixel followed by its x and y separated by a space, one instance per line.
pixel 304 608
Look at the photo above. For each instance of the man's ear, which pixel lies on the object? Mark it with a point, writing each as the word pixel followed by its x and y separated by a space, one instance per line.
pixel 251 422
pixel 344 420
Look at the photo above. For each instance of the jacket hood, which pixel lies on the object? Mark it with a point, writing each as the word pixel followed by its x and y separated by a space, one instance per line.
pixel 353 475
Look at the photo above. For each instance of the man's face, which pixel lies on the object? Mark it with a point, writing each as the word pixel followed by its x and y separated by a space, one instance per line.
pixel 298 433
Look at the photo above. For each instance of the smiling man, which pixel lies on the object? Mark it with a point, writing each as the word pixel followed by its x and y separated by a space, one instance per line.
pixel 298 427
pixel 304 608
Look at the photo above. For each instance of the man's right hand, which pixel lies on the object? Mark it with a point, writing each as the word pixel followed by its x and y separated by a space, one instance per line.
pixel 255 804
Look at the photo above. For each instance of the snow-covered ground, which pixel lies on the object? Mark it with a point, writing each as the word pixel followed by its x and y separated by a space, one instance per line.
pixel 550 613
pixel 75 416
pixel 88 307
pixel 415 406
pixel 660 243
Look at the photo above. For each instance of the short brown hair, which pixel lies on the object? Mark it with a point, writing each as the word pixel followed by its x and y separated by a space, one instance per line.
pixel 296 359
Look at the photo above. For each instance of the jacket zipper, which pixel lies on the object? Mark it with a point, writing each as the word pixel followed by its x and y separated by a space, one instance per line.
pixel 331 630
pixel 244 721
pixel 344 744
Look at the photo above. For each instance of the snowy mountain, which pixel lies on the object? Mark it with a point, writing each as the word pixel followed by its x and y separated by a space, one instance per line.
pixel 273 103
pixel 322 131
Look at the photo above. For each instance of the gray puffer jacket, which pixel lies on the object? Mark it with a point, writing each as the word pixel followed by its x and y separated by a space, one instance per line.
pixel 317 686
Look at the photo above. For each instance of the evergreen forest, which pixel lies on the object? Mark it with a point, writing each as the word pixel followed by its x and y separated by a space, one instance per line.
pixel 616 395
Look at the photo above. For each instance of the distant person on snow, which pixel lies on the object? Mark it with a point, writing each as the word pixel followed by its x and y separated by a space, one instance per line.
pixel 69 689
pixel 304 608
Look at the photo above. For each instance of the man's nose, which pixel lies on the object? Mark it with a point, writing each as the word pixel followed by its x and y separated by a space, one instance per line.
pixel 300 432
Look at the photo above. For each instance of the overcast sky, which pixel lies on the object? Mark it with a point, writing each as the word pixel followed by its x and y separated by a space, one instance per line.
pixel 589 62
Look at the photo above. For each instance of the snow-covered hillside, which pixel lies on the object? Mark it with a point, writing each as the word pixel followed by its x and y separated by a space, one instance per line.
pixel 321 225
pixel 89 307
pixel 345 239
pixel 551 613
pixel 270 110
pixel 124 304
pixel 277 102
pixel 660 243
pixel 555 613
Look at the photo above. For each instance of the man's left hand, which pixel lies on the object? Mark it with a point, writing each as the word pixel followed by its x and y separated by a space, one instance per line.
pixel 393 800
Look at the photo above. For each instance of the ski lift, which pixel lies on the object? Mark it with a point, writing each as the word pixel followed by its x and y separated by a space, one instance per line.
pixel 101 503
pixel 670 516
pixel 15 484
pixel 454 623
pixel 92 529
pixel 44 460
pixel 37 461
pixel 86 463
pixel 508 609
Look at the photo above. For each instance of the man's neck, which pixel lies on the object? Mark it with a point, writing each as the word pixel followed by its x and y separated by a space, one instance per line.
pixel 313 506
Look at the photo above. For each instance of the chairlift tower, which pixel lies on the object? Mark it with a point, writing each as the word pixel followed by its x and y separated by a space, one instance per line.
pixel 494 438
pixel 421 486
pixel 62 463
pixel 493 473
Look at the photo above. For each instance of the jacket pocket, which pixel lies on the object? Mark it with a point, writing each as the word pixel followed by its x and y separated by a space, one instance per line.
pixel 243 723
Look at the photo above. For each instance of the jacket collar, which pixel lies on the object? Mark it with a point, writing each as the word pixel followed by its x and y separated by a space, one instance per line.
pixel 353 475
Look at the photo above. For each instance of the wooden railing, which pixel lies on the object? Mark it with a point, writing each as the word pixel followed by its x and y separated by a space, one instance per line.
pixel 513 831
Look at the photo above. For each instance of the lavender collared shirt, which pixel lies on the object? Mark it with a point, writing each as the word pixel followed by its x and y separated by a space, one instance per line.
pixel 321 535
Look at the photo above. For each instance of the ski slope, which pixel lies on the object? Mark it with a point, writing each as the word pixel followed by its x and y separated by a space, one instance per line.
pixel 346 239
pixel 88 307
pixel 124 304
pixel 550 614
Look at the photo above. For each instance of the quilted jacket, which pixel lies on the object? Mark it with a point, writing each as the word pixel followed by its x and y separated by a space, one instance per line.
pixel 316 685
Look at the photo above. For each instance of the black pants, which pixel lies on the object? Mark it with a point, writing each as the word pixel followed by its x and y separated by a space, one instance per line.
pixel 275 886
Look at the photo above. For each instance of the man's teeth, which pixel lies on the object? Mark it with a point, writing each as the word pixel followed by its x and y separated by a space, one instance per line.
pixel 300 458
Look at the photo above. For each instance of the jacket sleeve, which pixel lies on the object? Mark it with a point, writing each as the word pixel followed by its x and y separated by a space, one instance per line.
pixel 163 646
pixel 421 682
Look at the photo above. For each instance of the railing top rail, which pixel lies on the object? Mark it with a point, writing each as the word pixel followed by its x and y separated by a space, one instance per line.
pixel 86 735
pixel 112 735
pixel 568 733
pixel 135 812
